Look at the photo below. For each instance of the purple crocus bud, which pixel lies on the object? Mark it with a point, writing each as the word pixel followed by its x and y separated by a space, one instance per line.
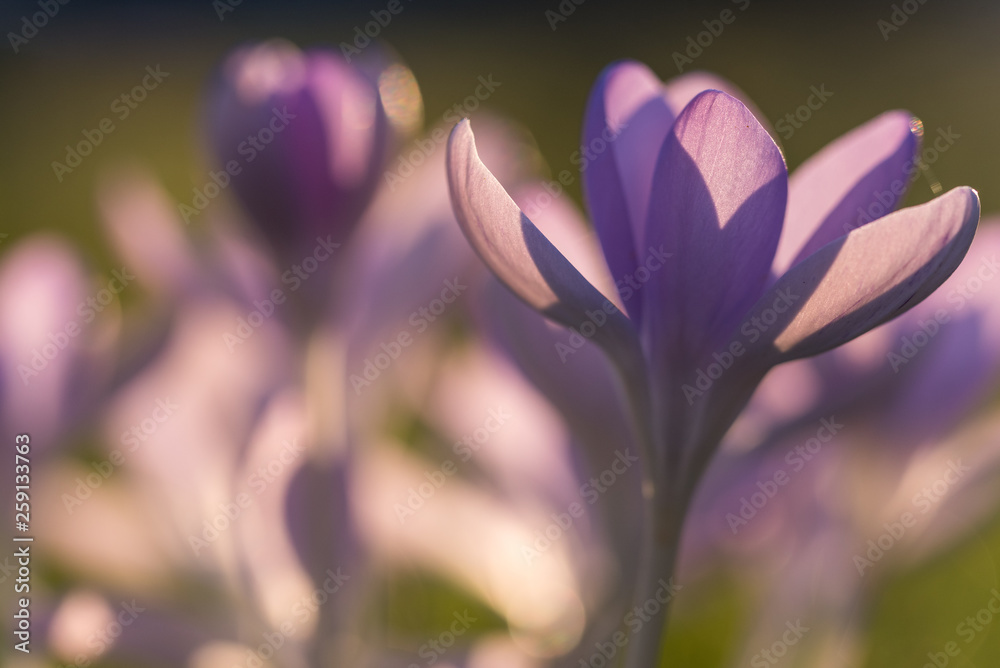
pixel 301 139
pixel 709 319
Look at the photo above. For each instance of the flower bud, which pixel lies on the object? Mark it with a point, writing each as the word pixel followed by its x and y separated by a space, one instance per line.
pixel 302 140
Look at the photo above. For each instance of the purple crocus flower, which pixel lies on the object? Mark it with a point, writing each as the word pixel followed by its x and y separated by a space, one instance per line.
pixel 302 138
pixel 690 176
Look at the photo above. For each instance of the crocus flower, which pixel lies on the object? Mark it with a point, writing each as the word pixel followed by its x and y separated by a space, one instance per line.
pixel 300 138
pixel 689 176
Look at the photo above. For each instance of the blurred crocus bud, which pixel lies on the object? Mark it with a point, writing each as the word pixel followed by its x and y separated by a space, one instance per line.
pixel 300 138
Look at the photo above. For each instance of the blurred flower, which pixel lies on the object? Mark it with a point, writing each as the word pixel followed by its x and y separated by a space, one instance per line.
pixel 689 196
pixel 302 138
pixel 57 336
pixel 243 378
pixel 904 476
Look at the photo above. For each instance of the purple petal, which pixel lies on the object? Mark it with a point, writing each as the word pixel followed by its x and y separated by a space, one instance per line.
pixel 867 277
pixel 681 90
pixel 626 111
pixel 521 256
pixel 855 179
pixel 563 224
pixel 628 116
pixel 946 381
pixel 717 208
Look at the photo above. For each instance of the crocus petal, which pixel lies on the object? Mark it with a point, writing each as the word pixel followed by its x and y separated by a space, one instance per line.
pixel 833 192
pixel 679 92
pixel 577 379
pixel 161 637
pixel 867 277
pixel 629 114
pixel 563 224
pixel 581 385
pixel 626 109
pixel 717 208
pixel 528 458
pixel 521 256
pixel 915 397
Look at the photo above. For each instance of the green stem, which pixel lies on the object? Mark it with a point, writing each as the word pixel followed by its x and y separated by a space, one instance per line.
pixel 663 522
pixel 662 517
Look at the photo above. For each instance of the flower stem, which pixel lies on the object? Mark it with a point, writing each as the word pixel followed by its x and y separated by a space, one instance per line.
pixel 662 522
pixel 664 507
